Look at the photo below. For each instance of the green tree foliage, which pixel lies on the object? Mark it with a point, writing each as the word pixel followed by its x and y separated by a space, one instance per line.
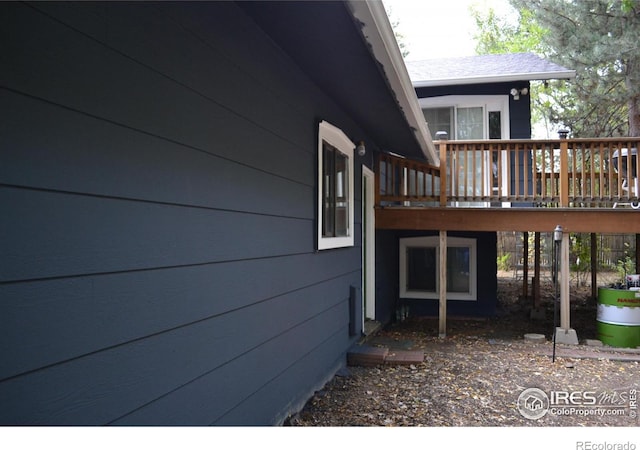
pixel 498 35
pixel 395 24
pixel 597 38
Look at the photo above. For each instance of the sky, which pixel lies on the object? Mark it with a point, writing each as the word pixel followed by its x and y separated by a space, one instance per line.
pixel 439 28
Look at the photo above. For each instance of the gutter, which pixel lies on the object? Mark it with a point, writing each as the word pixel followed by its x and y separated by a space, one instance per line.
pixel 378 33
pixel 562 75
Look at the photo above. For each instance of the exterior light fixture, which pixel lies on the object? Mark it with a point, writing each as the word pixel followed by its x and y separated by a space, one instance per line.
pixel 361 148
pixel 441 135
pixel 557 234
pixel 516 93
pixel 563 134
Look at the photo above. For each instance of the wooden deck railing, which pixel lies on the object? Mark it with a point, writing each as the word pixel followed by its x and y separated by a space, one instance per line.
pixel 552 173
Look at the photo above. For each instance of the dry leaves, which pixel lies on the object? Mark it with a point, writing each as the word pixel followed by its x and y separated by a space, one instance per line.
pixel 470 383
pixel 471 378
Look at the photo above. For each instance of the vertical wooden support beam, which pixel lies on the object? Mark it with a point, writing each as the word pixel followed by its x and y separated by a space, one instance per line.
pixel 525 264
pixel 564 173
pixel 442 311
pixel 637 253
pixel 565 307
pixel 443 173
pixel 536 270
pixel 594 267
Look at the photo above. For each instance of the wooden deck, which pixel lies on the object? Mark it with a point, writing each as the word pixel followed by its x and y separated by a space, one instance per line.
pixel 585 185
pixel 583 220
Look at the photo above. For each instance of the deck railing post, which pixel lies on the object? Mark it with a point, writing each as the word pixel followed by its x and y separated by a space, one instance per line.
pixel 443 168
pixel 558 169
pixel 564 170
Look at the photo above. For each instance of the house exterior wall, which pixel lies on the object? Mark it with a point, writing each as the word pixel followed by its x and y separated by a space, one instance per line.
pixel 519 110
pixel 388 277
pixel 388 241
pixel 158 177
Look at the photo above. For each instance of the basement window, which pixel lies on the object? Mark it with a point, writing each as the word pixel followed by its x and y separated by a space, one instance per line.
pixel 420 268
pixel 335 188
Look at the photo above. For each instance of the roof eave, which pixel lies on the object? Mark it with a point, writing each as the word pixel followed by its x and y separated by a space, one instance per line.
pixel 377 31
pixel 483 79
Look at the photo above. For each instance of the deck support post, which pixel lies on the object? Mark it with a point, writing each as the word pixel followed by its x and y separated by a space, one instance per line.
pixel 565 334
pixel 594 267
pixel 525 264
pixel 536 270
pixel 637 253
pixel 565 319
pixel 442 310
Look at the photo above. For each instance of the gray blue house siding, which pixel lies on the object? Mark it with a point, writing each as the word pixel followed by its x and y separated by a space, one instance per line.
pixel 158 183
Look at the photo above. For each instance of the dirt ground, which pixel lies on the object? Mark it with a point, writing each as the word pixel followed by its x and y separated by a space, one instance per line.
pixel 478 374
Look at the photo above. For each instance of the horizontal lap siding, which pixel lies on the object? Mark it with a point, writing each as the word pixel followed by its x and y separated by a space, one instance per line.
pixel 157 380
pixel 157 164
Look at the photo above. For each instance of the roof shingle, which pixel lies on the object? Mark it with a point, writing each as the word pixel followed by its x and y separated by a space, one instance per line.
pixel 484 69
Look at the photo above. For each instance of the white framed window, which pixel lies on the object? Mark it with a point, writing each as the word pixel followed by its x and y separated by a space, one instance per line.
pixel 468 116
pixel 472 117
pixel 420 268
pixel 335 188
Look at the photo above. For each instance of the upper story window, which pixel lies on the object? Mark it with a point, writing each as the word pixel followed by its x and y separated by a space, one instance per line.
pixel 335 188
pixel 468 116
pixel 472 117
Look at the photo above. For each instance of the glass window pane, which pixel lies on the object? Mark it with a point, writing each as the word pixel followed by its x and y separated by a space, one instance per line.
pixel 458 269
pixel 342 195
pixel 421 269
pixel 328 202
pixel 469 123
pixel 495 125
pixel 439 119
pixel 335 198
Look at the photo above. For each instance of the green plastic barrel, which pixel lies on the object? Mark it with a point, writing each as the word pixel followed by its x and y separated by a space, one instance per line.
pixel 619 317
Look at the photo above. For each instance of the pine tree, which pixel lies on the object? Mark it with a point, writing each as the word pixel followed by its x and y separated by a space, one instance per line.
pixel 600 40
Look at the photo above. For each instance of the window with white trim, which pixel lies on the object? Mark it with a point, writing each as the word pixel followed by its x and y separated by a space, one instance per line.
pixel 468 116
pixel 420 268
pixel 335 188
pixel 472 117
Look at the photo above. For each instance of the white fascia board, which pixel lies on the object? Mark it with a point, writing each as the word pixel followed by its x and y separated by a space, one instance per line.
pixel 378 32
pixel 484 79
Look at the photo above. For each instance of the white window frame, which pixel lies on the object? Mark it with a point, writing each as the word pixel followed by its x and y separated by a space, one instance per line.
pixel 336 138
pixel 434 242
pixel 488 102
